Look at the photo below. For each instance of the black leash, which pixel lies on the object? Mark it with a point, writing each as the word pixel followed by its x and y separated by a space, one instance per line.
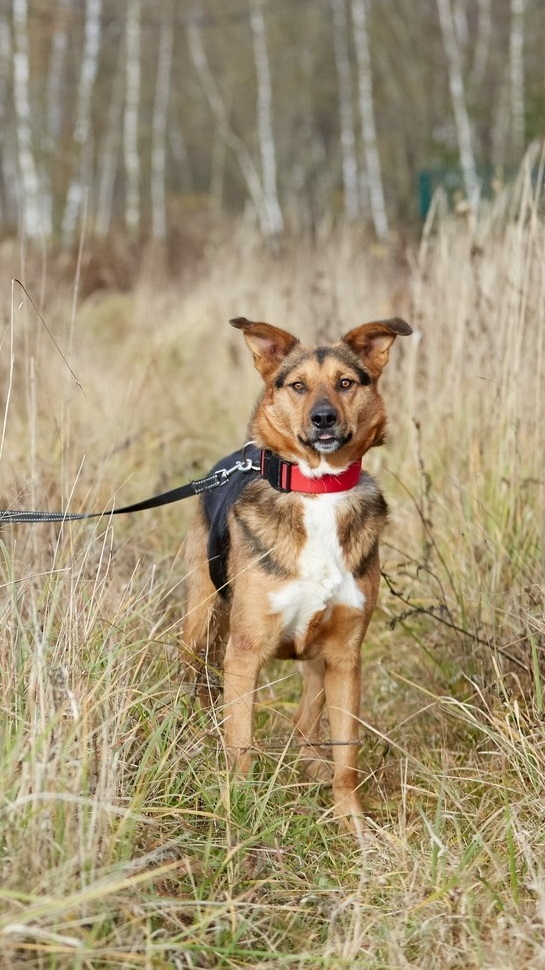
pixel 216 478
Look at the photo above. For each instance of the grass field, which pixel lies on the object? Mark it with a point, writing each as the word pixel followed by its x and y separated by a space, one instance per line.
pixel 123 841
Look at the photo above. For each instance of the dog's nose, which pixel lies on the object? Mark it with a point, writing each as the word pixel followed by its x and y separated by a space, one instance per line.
pixel 323 416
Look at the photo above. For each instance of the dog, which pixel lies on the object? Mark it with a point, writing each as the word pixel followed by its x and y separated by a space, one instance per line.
pixel 283 561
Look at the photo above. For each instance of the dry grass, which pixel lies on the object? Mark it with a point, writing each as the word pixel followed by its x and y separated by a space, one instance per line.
pixel 123 843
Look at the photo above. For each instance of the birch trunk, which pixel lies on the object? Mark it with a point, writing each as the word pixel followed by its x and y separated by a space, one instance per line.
pixel 34 209
pixel 159 128
pixel 110 152
pixel 264 119
pixel 217 107
pixel 367 118
pixel 57 60
pixel 516 71
pixel 130 121
pixel 482 43
pixel 461 27
pixel 89 65
pixel 346 113
pixel 500 129
pixel 177 146
pixel 9 161
pixel 457 93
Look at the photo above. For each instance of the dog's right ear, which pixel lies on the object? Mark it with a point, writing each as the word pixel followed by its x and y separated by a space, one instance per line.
pixel 269 345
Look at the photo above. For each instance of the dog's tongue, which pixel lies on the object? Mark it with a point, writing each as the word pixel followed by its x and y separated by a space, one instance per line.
pixel 325 437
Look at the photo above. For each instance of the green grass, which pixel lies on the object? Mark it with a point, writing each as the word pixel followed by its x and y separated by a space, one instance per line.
pixel 124 841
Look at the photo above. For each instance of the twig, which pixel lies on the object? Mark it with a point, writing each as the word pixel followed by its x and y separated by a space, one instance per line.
pixel 430 611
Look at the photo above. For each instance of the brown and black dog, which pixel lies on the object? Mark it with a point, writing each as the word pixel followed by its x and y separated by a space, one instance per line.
pixel 283 561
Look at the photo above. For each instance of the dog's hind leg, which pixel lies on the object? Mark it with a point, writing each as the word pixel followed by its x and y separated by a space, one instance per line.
pixel 308 717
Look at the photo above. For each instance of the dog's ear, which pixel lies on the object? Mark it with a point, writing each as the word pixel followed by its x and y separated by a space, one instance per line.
pixel 372 341
pixel 268 344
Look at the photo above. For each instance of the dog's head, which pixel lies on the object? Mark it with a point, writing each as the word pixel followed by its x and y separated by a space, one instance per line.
pixel 320 402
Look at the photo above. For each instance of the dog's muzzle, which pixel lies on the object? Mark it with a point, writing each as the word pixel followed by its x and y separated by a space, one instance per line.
pixel 325 435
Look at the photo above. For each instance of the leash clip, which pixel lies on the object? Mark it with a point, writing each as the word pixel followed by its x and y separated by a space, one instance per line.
pixel 242 465
pixel 245 464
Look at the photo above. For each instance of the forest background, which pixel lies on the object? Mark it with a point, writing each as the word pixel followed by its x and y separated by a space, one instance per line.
pixel 136 114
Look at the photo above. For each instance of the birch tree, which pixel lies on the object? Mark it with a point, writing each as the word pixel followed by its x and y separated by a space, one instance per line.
pixel 57 59
pixel 130 120
pixel 482 43
pixel 349 156
pixel 219 113
pixel 501 123
pixel 89 64
pixel 8 159
pixel 457 93
pixel 109 151
pixel 159 128
pixel 180 154
pixel 367 118
pixel 264 119
pixel 34 204
pixel 516 71
pixel 461 27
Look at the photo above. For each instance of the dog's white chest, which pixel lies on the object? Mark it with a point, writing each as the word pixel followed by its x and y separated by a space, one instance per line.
pixel 323 579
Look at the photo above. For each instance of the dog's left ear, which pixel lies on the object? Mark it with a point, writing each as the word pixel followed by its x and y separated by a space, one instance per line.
pixel 268 344
pixel 372 342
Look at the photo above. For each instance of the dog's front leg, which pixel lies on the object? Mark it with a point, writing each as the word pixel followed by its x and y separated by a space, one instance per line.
pixel 241 668
pixel 342 689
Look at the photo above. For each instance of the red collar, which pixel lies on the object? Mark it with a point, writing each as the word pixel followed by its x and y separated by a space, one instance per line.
pixel 285 476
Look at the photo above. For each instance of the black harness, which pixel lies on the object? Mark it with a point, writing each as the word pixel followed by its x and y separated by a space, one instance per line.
pixel 217 504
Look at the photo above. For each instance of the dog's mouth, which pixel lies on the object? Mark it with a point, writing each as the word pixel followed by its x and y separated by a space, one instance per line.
pixel 326 442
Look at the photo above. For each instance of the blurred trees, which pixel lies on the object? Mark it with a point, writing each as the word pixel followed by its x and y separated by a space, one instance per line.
pixel 129 114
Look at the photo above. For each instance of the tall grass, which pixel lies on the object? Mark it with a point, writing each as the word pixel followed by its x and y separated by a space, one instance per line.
pixel 123 841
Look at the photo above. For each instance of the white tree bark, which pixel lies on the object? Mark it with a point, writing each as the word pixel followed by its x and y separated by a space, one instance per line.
pixel 177 146
pixel 130 121
pixel 482 43
pixel 461 27
pixel 516 70
pixel 457 93
pixel 89 65
pixel 33 202
pixel 501 123
pixel 264 118
pixel 57 60
pixel 109 152
pixel 346 114
pixel 367 118
pixel 8 157
pixel 159 128
pixel 217 107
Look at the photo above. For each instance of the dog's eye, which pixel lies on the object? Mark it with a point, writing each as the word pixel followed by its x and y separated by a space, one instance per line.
pixel 345 383
pixel 298 387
